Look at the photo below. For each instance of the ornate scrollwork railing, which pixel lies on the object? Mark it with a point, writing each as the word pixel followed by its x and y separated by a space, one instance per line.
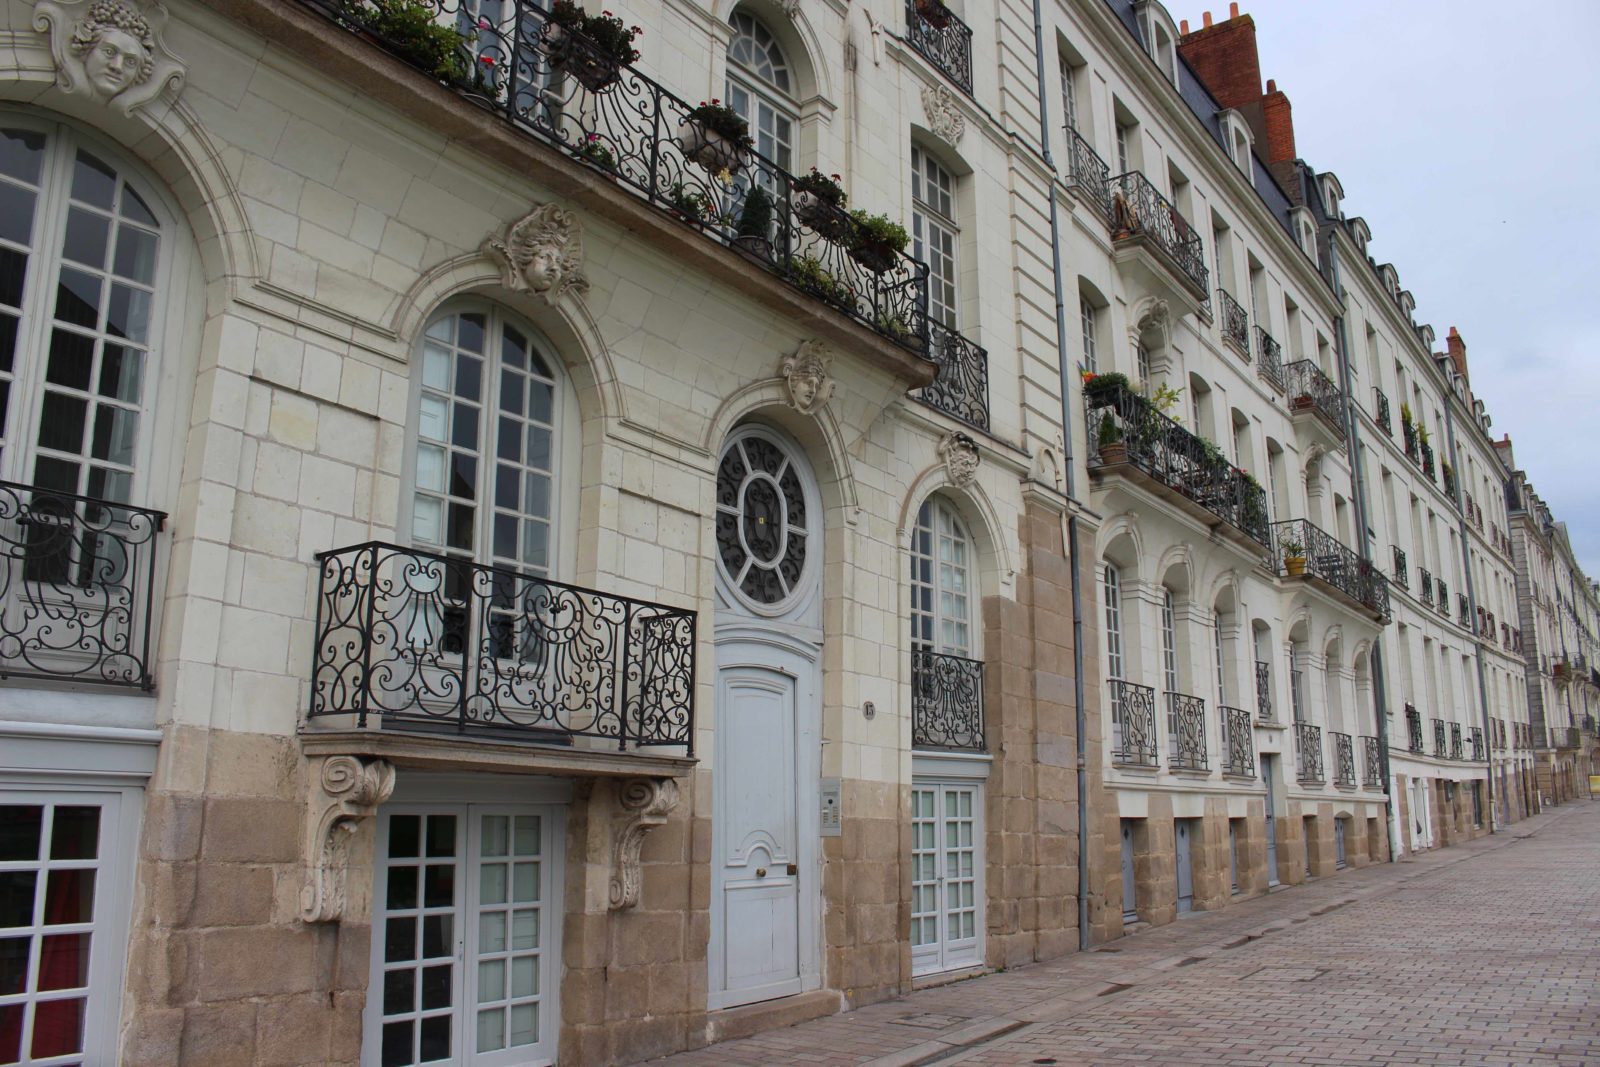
pixel 1308 752
pixel 1328 559
pixel 1186 729
pixel 1440 745
pixel 1476 740
pixel 1264 690
pixel 1139 434
pixel 1425 590
pixel 1382 415
pixel 1235 322
pixel 962 388
pixel 1269 359
pixel 1427 458
pixel 423 640
pixel 1398 572
pixel 1238 742
pixel 946 702
pixel 77 585
pixel 562 89
pixel 1371 764
pixel 1139 210
pixel 948 47
pixel 1133 723
pixel 1413 729
pixel 1090 174
pixel 1344 759
pixel 1310 390
pixel 1457 748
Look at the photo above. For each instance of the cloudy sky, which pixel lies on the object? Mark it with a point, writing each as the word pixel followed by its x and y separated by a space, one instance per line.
pixel 1464 132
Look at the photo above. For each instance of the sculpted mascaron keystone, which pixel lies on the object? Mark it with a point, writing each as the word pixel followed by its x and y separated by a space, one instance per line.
pixel 109 50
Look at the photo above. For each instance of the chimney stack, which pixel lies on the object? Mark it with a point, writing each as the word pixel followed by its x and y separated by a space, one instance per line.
pixel 1456 346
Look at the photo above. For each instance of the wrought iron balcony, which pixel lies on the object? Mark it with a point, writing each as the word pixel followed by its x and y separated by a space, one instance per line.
pixel 1566 737
pixel 1235 322
pixel 1399 574
pixel 1330 562
pixel 424 641
pixel 1308 753
pixel 1313 393
pixel 1264 690
pixel 1426 590
pixel 1269 359
pixel 942 39
pixel 1238 742
pixel 1140 212
pixel 1442 592
pixel 1447 474
pixel 77 585
pixel 1381 416
pixel 1125 428
pixel 1344 759
pixel 1371 764
pixel 1133 724
pixel 1408 431
pixel 560 88
pixel 1476 740
pixel 946 702
pixel 1439 744
pixel 1457 749
pixel 1413 729
pixel 1427 458
pixel 1090 175
pixel 1186 729
pixel 962 388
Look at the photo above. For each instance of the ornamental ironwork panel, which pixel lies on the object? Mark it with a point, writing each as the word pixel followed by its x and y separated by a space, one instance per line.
pixel 1426 589
pixel 942 39
pixel 1371 764
pixel 1186 729
pixel 1409 433
pixel 1311 391
pixel 561 88
pixel 1329 560
pixel 77 587
pixel 1344 759
pixel 1427 458
pixel 1381 417
pixel 1442 594
pixel 1090 175
pixel 1308 752
pixel 962 388
pixel 1133 723
pixel 1264 690
pixel 1398 572
pixel 1235 321
pixel 1439 743
pixel 416 639
pixel 1238 742
pixel 1139 210
pixel 1125 427
pixel 1269 359
pixel 1457 749
pixel 1413 729
pixel 946 701
pixel 1476 740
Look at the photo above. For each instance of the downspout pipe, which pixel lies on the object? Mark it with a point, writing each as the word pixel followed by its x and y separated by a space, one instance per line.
pixel 1068 463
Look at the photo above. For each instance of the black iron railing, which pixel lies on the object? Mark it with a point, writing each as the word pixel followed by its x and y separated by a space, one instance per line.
pixel 946 702
pixel 1398 572
pixel 1440 748
pixel 561 88
pixel 1344 759
pixel 1328 560
pixel 77 587
pixel 1413 729
pixel 422 640
pixel 1133 724
pixel 942 39
pixel 1475 739
pixel 1138 210
pixel 1408 431
pixel 1264 690
pixel 1565 737
pixel 1235 323
pixel 1090 174
pixel 1238 742
pixel 1447 475
pixel 962 388
pixel 1463 611
pixel 1371 765
pixel 1308 752
pixel 1125 427
pixel 1427 458
pixel 1186 730
pixel 1425 589
pixel 1381 417
pixel 1442 595
pixel 1312 392
pixel 1269 359
pixel 1457 748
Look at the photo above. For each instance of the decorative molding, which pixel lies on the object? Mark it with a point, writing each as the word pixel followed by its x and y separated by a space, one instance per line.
pixel 944 115
pixel 542 252
pixel 110 50
pixel 960 454
pixel 646 803
pixel 807 382
pixel 350 790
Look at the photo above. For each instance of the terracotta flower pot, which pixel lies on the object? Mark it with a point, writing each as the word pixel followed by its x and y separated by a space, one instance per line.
pixel 828 221
pixel 1114 453
pixel 1295 565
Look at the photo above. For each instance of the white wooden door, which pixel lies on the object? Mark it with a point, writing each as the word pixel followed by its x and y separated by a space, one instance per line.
pixel 946 876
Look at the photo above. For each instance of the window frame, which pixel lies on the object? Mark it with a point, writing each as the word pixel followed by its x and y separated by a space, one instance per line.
pixel 929 220
pixel 781 100
pixel 942 513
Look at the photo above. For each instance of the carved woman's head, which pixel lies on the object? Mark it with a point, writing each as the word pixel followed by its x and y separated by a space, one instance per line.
pixel 115 46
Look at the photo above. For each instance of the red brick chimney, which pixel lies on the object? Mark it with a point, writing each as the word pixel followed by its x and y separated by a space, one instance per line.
pixel 1456 346
pixel 1224 56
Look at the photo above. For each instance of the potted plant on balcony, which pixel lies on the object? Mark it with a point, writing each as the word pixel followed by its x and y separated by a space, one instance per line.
pixel 715 136
pixel 409 30
pixel 693 205
pixel 934 13
pixel 876 240
pixel 819 202
pixel 1111 448
pixel 755 226
pixel 592 48
pixel 594 149
pixel 809 274
pixel 1294 556
pixel 1099 389
pixel 1303 402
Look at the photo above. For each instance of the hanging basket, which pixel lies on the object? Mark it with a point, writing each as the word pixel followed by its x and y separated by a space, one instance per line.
pixel 580 57
pixel 876 256
pixel 709 148
pixel 824 218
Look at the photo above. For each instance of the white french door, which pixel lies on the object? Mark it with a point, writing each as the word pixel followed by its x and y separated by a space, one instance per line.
pixel 946 875
pixel 465 960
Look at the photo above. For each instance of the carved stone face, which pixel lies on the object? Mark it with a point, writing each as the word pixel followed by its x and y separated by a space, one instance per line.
pixel 805 385
pixel 544 268
pixel 114 62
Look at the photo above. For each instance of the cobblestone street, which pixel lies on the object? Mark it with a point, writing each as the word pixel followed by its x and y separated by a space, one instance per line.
pixel 1485 953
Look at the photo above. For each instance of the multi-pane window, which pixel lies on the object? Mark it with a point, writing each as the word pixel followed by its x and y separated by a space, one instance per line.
pixel 933 232
pixel 759 88
pixel 1089 317
pixel 1069 92
pixel 81 264
pixel 1169 642
pixel 941 608
pixel 1114 649
pixel 1141 356
pixel 945 895
pixel 1222 670
pixel 1122 149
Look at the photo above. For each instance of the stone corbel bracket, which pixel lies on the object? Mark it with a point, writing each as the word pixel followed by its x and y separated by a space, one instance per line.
pixel 646 803
pixel 349 790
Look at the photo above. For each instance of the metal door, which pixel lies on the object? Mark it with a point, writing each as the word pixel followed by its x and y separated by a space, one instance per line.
pixel 1338 842
pixel 1185 865
pixel 1269 774
pixel 1130 890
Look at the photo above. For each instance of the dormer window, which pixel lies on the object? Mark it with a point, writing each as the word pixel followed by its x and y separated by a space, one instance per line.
pixel 1305 231
pixel 1236 139
pixel 1407 302
pixel 1391 279
pixel 1332 195
pixel 1160 37
pixel 1361 233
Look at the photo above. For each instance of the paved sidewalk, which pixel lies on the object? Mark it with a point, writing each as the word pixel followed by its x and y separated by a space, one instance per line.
pixel 1483 953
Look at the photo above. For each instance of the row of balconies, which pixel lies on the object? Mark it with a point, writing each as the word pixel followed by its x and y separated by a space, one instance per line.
pixel 1449 741
pixel 1136 738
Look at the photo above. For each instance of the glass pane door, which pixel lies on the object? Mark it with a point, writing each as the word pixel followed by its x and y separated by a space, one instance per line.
pixel 946 879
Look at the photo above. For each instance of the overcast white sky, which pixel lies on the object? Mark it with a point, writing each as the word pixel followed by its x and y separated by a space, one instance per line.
pixel 1465 133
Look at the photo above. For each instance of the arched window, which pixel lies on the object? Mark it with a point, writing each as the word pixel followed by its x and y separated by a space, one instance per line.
pixel 760 87
pixel 1115 664
pixel 1169 642
pixel 941 582
pixel 934 236
pixel 485 455
pixel 83 268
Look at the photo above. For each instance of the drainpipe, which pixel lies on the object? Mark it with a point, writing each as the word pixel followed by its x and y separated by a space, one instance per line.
pixel 1472 603
pixel 1358 490
pixel 1070 527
